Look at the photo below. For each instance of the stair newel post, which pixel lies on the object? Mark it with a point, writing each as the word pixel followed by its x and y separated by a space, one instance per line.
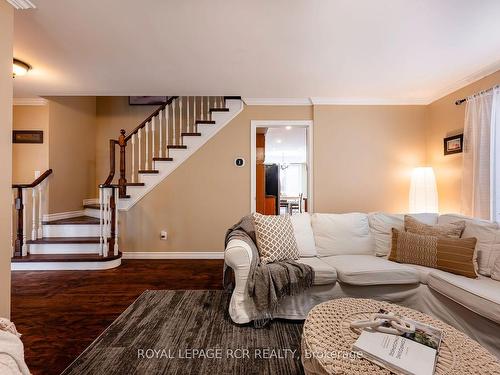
pixel 115 210
pixel 19 206
pixel 112 218
pixel 132 175
pixel 160 146
pixel 33 214
pixel 122 181
pixel 24 248
pixel 146 135
pixel 106 218
pixel 101 221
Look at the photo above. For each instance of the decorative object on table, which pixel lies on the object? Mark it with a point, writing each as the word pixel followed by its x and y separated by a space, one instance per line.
pixel 327 330
pixel 27 136
pixel 423 191
pixel 453 144
pixel 147 100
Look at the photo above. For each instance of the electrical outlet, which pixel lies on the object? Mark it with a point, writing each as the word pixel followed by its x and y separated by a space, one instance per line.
pixel 163 235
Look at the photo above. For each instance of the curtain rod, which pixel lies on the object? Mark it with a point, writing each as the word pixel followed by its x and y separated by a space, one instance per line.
pixel 458 102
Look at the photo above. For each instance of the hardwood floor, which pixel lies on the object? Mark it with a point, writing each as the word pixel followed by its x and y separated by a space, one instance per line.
pixel 60 313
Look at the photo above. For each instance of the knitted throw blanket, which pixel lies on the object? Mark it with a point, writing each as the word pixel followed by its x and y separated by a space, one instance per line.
pixel 267 283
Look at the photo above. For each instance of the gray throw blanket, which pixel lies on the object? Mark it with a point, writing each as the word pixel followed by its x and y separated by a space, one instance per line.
pixel 267 283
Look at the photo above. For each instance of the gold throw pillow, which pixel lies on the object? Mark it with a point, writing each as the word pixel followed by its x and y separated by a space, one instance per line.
pixel 275 238
pixel 455 255
pixel 453 230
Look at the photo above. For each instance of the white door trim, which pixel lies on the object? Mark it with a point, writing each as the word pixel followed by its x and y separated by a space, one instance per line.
pixel 308 124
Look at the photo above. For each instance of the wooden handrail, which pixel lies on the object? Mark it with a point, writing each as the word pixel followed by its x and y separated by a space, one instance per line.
pixel 111 174
pixel 35 183
pixel 155 113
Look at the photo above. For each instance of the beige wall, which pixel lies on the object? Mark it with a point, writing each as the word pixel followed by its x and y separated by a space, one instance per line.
pixel 363 156
pixel 28 158
pixel 6 30
pixel 72 152
pixel 446 118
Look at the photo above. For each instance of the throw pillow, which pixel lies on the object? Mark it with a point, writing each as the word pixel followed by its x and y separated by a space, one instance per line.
pixel 495 273
pixel 455 255
pixel 453 230
pixel 304 236
pixel 275 238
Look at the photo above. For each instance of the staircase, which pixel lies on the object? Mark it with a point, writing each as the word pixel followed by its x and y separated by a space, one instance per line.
pixel 147 155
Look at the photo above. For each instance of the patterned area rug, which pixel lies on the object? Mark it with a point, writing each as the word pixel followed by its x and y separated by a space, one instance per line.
pixel 189 332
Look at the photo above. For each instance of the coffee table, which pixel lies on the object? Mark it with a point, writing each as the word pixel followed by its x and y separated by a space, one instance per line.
pixel 327 341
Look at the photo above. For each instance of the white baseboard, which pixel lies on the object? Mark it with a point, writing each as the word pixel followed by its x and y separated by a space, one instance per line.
pixel 65 266
pixel 63 215
pixel 173 255
pixel 91 201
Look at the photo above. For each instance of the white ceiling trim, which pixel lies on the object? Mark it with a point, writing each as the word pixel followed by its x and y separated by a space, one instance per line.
pixel 30 101
pixel 481 73
pixel 277 101
pixel 367 101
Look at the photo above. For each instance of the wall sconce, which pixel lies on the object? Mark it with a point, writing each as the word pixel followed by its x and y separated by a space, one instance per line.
pixel 20 68
pixel 423 191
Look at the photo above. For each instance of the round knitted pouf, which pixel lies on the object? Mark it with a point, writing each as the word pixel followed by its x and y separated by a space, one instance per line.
pixel 327 341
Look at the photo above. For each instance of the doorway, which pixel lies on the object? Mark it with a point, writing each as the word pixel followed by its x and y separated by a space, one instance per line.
pixel 281 167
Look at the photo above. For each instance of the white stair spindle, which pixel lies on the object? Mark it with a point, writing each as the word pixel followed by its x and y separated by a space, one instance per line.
pixel 101 221
pixel 106 222
pixel 40 210
pixel 174 140
pixel 24 249
pixel 115 248
pixel 208 108
pixel 167 130
pixel 160 146
pixel 146 161
pixel 194 113
pixel 33 214
pixel 203 108
pixel 180 117
pixel 139 154
pixel 132 140
pixel 188 123
pixel 153 138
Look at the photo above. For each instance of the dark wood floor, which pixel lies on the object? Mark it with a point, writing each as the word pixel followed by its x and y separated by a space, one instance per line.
pixel 60 313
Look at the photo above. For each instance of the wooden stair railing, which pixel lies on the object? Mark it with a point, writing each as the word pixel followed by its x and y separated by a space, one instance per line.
pixel 37 187
pixel 171 122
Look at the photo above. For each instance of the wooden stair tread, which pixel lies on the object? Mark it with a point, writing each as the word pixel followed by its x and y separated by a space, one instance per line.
pixel 191 134
pixel 219 109
pixel 64 258
pixel 149 171
pixel 64 240
pixel 135 183
pixel 205 122
pixel 163 159
pixel 232 97
pixel 93 206
pixel 80 220
pixel 177 146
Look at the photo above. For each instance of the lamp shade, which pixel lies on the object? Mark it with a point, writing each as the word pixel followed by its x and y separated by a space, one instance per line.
pixel 423 191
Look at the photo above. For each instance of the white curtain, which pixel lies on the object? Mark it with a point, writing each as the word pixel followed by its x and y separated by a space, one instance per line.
pixel 480 154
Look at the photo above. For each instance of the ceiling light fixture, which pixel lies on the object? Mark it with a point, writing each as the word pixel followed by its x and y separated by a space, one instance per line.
pixel 22 4
pixel 288 127
pixel 278 141
pixel 19 68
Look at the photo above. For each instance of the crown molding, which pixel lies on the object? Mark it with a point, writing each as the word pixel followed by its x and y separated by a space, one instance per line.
pixel 471 78
pixel 22 4
pixel 277 101
pixel 367 101
pixel 30 101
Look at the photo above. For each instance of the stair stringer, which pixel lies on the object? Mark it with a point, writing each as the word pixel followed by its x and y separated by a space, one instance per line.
pixel 179 156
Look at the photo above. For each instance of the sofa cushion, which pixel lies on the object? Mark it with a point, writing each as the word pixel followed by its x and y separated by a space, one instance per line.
pixel 338 234
pixel 488 239
pixel 423 272
pixel 495 273
pixel 323 273
pixel 304 236
pixel 481 295
pixel 382 223
pixel 371 270
pixel 453 229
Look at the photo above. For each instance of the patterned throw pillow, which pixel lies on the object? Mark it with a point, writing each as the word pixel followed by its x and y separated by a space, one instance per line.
pixel 275 238
pixel 453 230
pixel 455 255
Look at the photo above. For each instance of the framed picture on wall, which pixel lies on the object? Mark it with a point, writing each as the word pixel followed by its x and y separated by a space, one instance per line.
pixel 147 100
pixel 453 144
pixel 27 136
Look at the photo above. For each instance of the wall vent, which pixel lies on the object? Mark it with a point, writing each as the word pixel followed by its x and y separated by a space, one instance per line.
pixel 22 4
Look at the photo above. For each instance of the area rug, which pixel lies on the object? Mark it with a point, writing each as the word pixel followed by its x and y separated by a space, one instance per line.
pixel 189 332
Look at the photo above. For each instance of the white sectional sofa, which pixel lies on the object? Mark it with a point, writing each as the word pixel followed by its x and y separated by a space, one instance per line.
pixel 348 253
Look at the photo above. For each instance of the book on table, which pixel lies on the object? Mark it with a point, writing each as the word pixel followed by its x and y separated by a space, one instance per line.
pixel 411 353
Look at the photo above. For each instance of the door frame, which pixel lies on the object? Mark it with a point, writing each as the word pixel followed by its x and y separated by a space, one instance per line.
pixel 254 124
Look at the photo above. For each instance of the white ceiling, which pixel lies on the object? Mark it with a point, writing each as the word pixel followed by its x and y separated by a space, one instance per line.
pixel 286 145
pixel 343 50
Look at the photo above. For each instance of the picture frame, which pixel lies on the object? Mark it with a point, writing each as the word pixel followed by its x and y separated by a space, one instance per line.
pixel 147 100
pixel 453 144
pixel 27 136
